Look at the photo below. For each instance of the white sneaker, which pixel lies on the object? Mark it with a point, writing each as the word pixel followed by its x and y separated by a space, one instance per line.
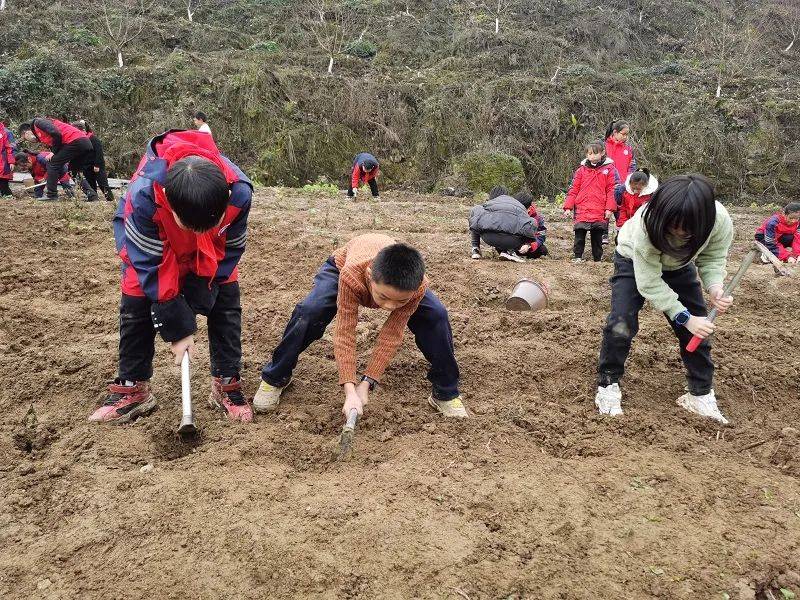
pixel 577 260
pixel 608 400
pixel 705 406
pixel 512 256
pixel 267 397
pixel 449 408
pixel 476 253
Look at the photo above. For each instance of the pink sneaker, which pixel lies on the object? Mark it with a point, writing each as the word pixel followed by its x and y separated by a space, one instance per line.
pixel 125 403
pixel 228 397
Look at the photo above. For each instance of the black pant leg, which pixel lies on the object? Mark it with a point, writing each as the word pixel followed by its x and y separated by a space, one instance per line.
pixel 101 177
pixel 539 252
pixel 136 339
pixel 580 243
pixel 225 332
pixel 430 325
pixel 699 366
pixel 90 177
pixel 75 154
pixel 502 241
pixel 597 243
pixel 5 188
pixel 373 187
pixel 622 323
pixel 475 237
pixel 307 324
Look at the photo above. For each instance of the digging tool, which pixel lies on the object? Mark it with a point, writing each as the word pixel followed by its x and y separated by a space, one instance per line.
pixel 780 269
pixel 346 437
pixel 187 426
pixel 757 249
pixel 33 187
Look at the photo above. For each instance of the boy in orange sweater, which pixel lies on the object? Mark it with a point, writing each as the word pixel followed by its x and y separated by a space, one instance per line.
pixel 373 271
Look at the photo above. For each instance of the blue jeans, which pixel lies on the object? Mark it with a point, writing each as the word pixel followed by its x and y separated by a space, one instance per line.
pixel 429 324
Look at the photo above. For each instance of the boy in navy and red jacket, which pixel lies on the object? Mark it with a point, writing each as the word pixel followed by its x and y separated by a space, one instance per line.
pixel 35 163
pixel 69 145
pixel 591 198
pixel 365 170
pixel 781 235
pixel 180 231
pixel 7 148
pixel 536 247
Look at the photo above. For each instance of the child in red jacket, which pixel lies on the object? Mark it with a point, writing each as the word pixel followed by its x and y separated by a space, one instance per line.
pixel 7 148
pixel 781 235
pixel 591 198
pixel 638 189
pixel 618 149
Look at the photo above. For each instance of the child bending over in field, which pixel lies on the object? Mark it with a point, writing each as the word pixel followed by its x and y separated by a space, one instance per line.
pixel 365 170
pixel 373 271
pixel 781 235
pixel 591 199
pixel 680 234
pixel 638 189
pixel 180 232
pixel 35 163
pixel 504 223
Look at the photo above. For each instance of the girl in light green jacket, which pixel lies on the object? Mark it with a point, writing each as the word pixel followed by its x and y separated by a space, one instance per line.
pixel 682 233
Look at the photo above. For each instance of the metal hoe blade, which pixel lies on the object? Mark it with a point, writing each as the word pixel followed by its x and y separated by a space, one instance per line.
pixel 187 426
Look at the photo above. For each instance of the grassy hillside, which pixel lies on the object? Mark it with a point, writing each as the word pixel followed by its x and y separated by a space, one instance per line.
pixel 422 83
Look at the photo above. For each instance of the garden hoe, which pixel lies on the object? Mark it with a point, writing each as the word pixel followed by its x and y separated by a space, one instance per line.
pixel 758 248
pixel 187 428
pixel 346 437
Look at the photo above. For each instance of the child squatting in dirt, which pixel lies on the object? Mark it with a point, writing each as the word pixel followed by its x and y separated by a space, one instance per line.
pixel 180 232
pixel 780 233
pixel 373 271
pixel 682 232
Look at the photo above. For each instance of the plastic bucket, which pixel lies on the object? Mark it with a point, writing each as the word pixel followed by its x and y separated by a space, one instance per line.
pixel 528 295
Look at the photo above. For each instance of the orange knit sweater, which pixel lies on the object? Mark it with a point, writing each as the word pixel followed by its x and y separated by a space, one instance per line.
pixel 352 261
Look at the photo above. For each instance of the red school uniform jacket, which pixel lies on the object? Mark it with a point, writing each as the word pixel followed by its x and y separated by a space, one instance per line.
pixel 156 254
pixel 622 155
pixel 592 191
pixel 6 154
pixel 629 202
pixel 55 133
pixel 774 229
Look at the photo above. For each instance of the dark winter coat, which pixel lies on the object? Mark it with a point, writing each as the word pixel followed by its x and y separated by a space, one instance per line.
pixel 504 214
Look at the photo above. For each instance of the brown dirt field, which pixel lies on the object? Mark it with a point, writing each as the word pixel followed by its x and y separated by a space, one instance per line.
pixel 534 497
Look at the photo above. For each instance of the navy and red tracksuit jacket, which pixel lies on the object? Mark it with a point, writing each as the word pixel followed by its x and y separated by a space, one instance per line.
pixel 541 229
pixel 629 202
pixel 359 175
pixel 592 191
pixel 38 168
pixel 780 237
pixel 55 133
pixel 622 155
pixel 157 255
pixel 7 149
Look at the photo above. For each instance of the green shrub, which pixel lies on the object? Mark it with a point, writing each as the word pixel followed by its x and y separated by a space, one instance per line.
pixel 269 47
pixel 481 171
pixel 321 187
pixel 361 49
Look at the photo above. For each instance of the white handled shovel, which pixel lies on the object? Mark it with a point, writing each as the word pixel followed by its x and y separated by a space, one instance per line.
pixel 187 426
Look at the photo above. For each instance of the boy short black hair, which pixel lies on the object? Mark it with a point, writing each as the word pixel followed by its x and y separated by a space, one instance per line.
pixel 198 192
pixel 792 207
pixel 497 191
pixel 26 126
pixel 22 157
pixel 524 197
pixel 200 115
pixel 369 164
pixel 399 266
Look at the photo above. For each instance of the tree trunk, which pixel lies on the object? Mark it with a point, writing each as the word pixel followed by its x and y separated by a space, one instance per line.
pixel 497 25
pixel 719 90
pixel 190 14
pixel 2 4
pixel 330 66
pixel 120 62
pixel 789 47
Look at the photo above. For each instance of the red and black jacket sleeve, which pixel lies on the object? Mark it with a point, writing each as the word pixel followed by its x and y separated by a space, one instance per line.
pixel 236 234
pixel 52 135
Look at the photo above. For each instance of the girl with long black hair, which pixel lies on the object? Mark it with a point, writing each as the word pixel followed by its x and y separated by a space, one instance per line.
pixel 682 232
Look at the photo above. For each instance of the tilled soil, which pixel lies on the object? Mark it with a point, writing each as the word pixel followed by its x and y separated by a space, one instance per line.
pixel 536 496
